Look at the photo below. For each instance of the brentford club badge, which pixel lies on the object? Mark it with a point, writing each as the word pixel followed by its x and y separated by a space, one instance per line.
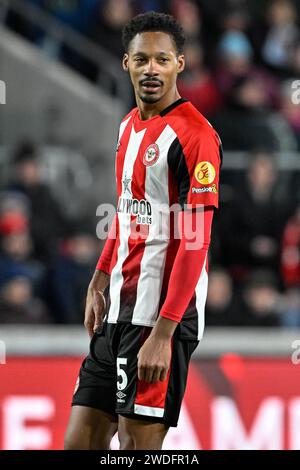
pixel 151 155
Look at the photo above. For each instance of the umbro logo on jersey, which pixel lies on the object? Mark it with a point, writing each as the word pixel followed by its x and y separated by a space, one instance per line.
pixel 151 155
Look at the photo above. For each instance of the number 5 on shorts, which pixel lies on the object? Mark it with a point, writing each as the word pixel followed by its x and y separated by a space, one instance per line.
pixel 121 361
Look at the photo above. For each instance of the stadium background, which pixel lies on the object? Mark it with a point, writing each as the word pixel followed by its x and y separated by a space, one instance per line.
pixel 65 94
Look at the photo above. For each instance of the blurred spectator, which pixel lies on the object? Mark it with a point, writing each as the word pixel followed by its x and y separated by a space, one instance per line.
pixel 196 82
pixel 290 110
pixel 109 19
pixel 295 62
pixel 236 17
pixel 70 275
pixel 142 6
pixel 189 16
pixel 18 305
pixel 281 35
pixel 259 301
pixel 13 222
pixel 220 303
pixel 253 225
pixel 250 94
pixel 244 123
pixel 290 256
pixel 15 258
pixel 236 62
pixel 106 31
pixel 290 317
pixel 47 222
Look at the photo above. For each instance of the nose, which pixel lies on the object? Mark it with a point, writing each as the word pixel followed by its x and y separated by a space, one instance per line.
pixel 150 70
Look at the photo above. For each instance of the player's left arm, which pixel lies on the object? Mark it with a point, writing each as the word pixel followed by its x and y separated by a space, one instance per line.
pixel 155 355
pixel 198 188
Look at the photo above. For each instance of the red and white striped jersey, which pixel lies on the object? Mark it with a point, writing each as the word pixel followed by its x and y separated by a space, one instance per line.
pixel 172 158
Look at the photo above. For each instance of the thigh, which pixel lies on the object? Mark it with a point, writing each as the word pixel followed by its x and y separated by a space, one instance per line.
pixel 89 429
pixel 140 434
pixel 96 385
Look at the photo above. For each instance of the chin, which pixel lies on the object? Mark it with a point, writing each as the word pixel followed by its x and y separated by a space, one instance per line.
pixel 150 99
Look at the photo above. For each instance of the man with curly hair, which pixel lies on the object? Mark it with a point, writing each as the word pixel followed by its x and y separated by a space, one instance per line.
pixel 145 302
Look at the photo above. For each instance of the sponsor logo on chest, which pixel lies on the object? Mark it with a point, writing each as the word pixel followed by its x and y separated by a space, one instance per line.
pixel 140 208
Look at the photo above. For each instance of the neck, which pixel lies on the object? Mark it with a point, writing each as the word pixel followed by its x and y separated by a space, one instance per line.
pixel 148 110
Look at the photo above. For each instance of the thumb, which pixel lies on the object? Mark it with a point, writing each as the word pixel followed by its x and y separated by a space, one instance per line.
pixel 98 318
pixel 99 306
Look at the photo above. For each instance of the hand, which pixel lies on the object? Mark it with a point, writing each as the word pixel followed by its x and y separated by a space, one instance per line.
pixel 95 303
pixel 94 310
pixel 154 359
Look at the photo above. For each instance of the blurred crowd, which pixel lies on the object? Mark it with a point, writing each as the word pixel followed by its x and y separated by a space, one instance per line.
pixel 46 257
pixel 255 254
pixel 242 59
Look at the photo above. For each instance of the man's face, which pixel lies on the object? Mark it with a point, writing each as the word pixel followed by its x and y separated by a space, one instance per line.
pixel 153 65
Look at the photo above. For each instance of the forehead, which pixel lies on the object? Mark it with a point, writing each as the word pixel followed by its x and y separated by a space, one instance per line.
pixel 152 42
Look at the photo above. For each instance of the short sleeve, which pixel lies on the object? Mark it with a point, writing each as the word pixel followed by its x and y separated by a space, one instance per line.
pixel 200 181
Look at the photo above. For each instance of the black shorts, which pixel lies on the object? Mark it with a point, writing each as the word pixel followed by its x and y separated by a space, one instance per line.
pixel 108 377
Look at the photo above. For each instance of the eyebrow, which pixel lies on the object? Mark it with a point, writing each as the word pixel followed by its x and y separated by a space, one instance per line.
pixel 145 55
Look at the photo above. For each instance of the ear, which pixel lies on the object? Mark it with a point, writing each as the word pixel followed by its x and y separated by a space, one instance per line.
pixel 125 62
pixel 181 63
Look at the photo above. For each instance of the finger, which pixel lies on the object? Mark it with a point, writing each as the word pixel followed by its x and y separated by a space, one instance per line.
pixel 156 376
pixel 145 374
pixel 98 312
pixel 148 375
pixel 98 320
pixel 88 325
pixel 98 308
pixel 89 328
pixel 97 325
pixel 90 331
pixel 141 375
pixel 163 375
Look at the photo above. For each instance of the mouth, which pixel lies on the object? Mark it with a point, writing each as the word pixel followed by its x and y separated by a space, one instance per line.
pixel 151 86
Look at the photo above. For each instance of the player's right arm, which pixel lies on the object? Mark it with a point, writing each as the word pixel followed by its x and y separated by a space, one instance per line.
pixel 95 300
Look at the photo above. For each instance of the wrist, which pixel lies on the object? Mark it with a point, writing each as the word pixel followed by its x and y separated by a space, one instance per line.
pixel 99 281
pixel 100 293
pixel 164 329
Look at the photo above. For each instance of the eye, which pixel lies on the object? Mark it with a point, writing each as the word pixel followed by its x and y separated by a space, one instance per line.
pixel 139 60
pixel 164 59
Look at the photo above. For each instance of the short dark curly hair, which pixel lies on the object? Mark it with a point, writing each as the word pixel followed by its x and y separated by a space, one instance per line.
pixel 153 21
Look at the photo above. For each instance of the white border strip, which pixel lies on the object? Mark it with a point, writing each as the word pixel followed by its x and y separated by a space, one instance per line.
pixel 73 340
pixel 149 411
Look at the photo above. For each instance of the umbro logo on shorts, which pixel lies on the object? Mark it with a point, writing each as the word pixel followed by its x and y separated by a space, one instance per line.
pixel 120 396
